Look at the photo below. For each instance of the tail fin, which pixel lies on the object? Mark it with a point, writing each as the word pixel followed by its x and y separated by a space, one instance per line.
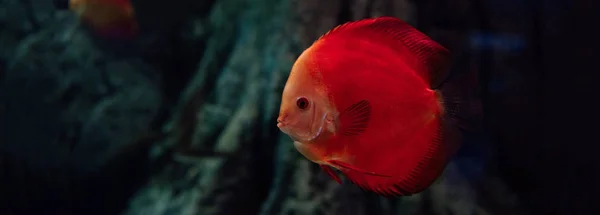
pixel 462 105
pixel 462 110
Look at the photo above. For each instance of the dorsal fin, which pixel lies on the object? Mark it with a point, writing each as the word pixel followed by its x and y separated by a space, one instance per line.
pixel 427 57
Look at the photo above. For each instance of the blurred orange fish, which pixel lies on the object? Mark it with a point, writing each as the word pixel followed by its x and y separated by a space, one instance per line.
pixel 364 99
pixel 112 18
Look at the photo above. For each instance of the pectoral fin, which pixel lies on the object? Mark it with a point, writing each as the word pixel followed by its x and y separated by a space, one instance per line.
pixel 354 120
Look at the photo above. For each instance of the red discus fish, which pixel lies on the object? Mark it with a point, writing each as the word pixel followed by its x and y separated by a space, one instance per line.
pixel 111 18
pixel 363 99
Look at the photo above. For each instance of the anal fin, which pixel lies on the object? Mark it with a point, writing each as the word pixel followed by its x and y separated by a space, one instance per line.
pixel 350 167
pixel 331 174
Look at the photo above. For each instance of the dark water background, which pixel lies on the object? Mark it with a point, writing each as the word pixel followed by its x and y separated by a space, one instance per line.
pixel 180 120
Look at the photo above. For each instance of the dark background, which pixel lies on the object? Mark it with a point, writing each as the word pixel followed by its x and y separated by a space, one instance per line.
pixel 181 120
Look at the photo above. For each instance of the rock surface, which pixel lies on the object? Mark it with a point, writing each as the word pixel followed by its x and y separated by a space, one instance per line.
pixel 189 115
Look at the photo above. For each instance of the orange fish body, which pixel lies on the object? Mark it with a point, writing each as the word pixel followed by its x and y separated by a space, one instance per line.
pixel 107 17
pixel 362 100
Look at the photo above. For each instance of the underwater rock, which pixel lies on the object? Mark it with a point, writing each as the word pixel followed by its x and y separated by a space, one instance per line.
pixel 85 101
pixel 68 105
pixel 78 115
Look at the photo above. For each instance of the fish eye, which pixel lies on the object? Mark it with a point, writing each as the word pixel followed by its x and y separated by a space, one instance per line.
pixel 302 103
